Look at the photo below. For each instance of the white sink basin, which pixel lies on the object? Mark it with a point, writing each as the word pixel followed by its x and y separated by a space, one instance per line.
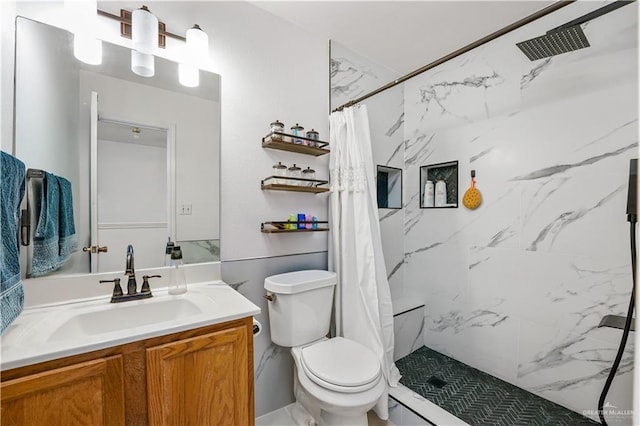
pixel 123 316
pixel 44 333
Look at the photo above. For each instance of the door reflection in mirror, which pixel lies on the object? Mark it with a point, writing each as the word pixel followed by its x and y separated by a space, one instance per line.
pixel 133 179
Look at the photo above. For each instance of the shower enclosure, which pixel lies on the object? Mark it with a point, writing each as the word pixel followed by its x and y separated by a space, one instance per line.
pixel 517 287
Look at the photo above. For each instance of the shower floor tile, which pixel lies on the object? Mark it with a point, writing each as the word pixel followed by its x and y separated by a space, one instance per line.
pixel 477 397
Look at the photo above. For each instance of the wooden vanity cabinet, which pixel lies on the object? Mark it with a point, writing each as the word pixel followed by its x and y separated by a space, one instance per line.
pixel 199 377
pixel 86 393
pixel 202 380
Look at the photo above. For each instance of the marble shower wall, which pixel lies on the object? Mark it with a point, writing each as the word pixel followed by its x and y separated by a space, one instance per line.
pixel 517 287
pixel 386 120
pixel 353 75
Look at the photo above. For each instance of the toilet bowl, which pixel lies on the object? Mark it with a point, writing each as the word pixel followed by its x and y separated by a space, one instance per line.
pixel 341 380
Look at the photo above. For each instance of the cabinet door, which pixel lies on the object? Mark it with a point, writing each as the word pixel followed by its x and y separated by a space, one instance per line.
pixel 90 393
pixel 201 381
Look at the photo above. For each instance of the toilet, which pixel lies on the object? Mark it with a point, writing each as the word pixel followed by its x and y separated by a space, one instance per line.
pixel 336 380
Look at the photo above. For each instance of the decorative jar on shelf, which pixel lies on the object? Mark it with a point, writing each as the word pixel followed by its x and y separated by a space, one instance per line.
pixel 277 126
pixel 308 173
pixel 280 170
pixel 294 172
pixel 312 134
pixel 297 130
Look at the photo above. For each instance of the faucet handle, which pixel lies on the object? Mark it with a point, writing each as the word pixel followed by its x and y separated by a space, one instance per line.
pixel 145 283
pixel 117 290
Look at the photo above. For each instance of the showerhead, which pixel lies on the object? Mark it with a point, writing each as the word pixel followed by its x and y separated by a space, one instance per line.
pixel 567 37
pixel 554 43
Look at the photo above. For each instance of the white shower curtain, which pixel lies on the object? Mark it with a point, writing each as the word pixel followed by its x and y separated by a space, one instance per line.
pixel 363 300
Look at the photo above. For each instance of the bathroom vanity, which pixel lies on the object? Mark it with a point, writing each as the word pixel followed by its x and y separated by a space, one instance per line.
pixel 194 368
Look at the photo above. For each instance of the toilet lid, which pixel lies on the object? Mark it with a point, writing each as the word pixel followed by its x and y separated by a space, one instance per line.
pixel 342 363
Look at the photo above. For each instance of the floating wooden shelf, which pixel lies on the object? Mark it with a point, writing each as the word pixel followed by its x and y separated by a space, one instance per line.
pixel 273 183
pixel 279 227
pixel 285 142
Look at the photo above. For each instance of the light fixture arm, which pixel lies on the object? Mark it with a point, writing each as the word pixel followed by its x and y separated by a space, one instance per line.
pixel 125 27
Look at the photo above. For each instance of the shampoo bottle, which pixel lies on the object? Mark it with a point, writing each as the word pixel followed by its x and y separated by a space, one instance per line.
pixel 441 193
pixel 428 198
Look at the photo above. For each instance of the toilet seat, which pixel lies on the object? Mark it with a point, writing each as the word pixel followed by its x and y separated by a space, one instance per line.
pixel 341 365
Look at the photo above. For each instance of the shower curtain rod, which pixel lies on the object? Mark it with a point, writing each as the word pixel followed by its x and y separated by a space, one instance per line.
pixel 539 14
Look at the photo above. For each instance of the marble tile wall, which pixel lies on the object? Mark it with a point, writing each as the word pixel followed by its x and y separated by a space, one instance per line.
pixel 517 287
pixel 408 331
pixel 386 119
pixel 353 75
pixel 272 364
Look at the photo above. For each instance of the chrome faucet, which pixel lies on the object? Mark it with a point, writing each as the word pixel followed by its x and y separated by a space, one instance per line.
pixel 132 291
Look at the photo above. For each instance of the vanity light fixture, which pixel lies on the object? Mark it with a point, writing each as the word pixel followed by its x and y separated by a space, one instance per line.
pixel 148 34
pixel 196 48
pixel 83 20
pixel 144 36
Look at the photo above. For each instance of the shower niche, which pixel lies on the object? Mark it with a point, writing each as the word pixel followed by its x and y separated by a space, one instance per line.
pixel 439 185
pixel 389 186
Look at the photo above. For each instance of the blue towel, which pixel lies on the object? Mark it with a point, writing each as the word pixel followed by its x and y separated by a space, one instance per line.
pixel 12 191
pixel 66 228
pixel 46 238
pixel 55 236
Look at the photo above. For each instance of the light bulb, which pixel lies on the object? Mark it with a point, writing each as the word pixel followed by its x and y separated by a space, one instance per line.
pixel 197 43
pixel 82 22
pixel 144 31
pixel 195 51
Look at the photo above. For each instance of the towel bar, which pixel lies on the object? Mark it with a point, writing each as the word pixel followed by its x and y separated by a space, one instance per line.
pixel 26 217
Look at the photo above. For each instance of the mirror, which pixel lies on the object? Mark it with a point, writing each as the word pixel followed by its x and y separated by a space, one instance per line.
pixel 157 156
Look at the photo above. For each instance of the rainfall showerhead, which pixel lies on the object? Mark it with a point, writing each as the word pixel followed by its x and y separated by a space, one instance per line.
pixel 554 42
pixel 565 38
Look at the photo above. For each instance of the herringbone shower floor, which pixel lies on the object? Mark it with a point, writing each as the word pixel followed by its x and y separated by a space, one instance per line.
pixel 477 397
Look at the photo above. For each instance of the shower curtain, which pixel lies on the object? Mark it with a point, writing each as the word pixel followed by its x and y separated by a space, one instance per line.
pixel 363 300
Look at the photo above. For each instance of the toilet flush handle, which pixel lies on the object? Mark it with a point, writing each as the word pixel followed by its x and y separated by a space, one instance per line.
pixel 270 297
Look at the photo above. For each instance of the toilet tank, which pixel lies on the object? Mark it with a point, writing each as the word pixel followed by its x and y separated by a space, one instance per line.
pixel 301 310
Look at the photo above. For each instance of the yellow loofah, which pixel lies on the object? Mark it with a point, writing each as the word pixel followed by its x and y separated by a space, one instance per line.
pixel 472 198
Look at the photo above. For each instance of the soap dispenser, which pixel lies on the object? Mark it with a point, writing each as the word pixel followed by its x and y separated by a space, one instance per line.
pixel 177 281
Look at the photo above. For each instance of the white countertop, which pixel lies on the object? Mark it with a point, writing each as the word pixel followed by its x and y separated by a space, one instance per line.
pixel 49 332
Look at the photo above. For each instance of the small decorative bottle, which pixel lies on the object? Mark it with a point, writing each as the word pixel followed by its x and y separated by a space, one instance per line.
pixel 177 281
